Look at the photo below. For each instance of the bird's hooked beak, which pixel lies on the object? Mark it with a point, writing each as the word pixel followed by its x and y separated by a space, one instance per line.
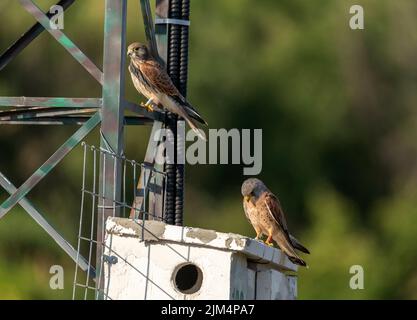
pixel 129 53
pixel 247 198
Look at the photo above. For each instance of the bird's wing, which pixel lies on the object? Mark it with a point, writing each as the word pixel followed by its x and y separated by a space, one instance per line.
pixel 274 208
pixel 282 238
pixel 159 78
pixel 245 209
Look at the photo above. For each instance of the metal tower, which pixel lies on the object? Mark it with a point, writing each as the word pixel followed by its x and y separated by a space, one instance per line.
pixel 168 39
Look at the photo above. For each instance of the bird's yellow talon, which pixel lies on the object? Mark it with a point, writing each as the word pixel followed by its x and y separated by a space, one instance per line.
pixel 147 106
pixel 268 240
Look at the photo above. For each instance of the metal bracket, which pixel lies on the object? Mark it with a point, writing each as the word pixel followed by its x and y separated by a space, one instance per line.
pixel 173 21
pixel 110 259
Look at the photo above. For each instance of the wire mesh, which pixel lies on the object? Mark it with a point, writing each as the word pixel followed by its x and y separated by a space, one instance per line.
pixel 140 185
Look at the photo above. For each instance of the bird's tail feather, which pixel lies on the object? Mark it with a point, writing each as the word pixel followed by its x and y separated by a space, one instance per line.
pixel 298 261
pixel 290 252
pixel 173 105
pixel 189 109
pixel 297 245
pixel 194 127
pixel 194 114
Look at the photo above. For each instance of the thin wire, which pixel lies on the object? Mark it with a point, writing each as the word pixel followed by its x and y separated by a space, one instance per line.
pixel 81 219
pixel 90 288
pixel 152 200
pixel 99 196
pixel 124 188
pixel 109 267
pixel 145 189
pixel 114 182
pixel 125 159
pixel 84 286
pixel 109 148
pixel 100 258
pixel 148 231
pixel 123 204
pixel 164 198
pixel 115 164
pixel 143 202
pixel 136 269
pixel 93 198
pixel 134 190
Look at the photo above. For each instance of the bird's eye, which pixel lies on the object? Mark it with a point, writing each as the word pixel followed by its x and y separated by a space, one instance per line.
pixel 136 49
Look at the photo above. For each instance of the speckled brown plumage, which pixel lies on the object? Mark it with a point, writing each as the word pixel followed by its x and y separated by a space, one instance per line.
pixel 152 80
pixel 264 212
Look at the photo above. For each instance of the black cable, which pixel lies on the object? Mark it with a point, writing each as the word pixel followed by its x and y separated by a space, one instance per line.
pixel 174 12
pixel 185 15
pixel 182 87
pixel 177 66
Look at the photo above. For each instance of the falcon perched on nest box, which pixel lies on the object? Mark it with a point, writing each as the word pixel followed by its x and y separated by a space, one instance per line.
pixel 265 214
pixel 151 80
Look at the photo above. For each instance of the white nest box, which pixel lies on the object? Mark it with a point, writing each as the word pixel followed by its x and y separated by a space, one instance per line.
pixel 160 261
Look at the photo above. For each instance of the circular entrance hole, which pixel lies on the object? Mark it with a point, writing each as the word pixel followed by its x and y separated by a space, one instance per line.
pixel 188 278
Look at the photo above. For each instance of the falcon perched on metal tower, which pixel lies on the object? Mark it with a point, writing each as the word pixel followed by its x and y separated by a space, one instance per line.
pixel 151 80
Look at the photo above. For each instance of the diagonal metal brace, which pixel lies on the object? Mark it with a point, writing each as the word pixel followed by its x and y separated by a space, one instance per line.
pixel 37 216
pixel 28 37
pixel 144 179
pixel 35 178
pixel 78 55
pixel 150 30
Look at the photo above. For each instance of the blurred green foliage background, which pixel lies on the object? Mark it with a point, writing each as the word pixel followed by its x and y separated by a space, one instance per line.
pixel 339 118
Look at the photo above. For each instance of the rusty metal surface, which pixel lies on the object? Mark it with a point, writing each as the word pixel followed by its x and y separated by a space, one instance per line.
pixel 112 122
pixel 18 108
pixel 50 102
pixel 47 121
pixel 73 120
pixel 135 108
pixel 42 113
